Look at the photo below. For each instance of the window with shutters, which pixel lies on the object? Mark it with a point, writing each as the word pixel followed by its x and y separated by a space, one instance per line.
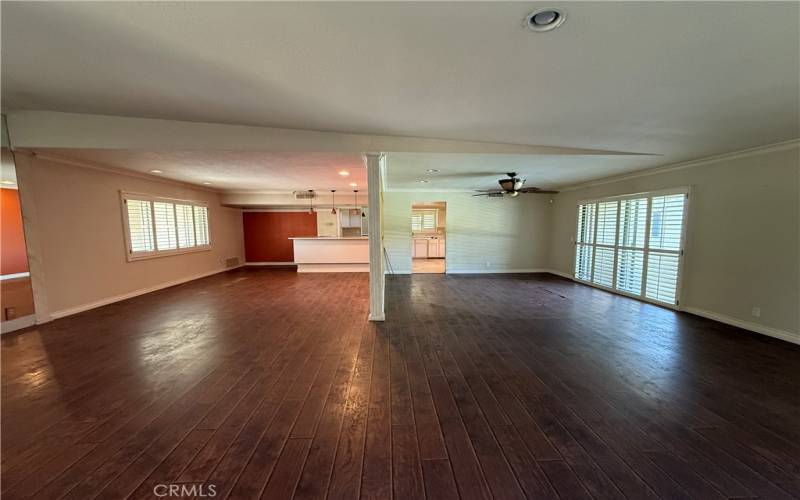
pixel 633 244
pixel 423 221
pixel 157 226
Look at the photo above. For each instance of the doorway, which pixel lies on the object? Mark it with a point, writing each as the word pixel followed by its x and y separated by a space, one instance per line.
pixel 428 237
pixel 17 309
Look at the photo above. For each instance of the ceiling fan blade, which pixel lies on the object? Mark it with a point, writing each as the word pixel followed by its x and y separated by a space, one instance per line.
pixel 534 190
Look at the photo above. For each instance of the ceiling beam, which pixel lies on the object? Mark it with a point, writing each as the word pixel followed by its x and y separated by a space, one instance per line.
pixel 47 129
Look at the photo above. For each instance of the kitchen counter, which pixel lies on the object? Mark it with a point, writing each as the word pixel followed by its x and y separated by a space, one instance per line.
pixel 329 238
pixel 331 254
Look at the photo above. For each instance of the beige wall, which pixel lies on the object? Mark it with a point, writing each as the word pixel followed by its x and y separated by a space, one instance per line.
pixel 742 247
pixel 76 242
pixel 510 234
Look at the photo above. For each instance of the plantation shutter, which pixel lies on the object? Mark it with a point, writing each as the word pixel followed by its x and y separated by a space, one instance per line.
pixel 429 220
pixel 665 247
pixel 166 235
pixel 201 225
pixel 630 257
pixel 185 219
pixel 140 226
pixel 416 221
pixel 584 240
pixel 633 244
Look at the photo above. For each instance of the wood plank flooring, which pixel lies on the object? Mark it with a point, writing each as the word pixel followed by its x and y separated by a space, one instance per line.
pixel 262 383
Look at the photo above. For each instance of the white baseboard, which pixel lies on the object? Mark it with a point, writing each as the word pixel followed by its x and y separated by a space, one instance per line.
pixel 15 324
pixel 746 325
pixel 270 263
pixel 116 298
pixel 496 271
pixel 559 273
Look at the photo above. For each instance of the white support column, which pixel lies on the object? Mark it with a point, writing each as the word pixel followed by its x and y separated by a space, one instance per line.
pixel 375 214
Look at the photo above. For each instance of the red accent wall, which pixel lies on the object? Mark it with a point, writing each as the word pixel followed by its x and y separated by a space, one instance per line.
pixel 266 234
pixel 13 255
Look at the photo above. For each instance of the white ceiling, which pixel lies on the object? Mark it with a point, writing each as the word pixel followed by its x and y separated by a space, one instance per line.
pixel 463 172
pixel 680 80
pixel 235 171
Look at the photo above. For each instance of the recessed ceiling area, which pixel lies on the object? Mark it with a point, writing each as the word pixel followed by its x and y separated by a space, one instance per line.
pixel 624 76
pixel 233 170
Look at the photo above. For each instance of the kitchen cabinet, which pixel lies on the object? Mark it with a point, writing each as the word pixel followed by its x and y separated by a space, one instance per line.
pixel 428 248
pixel 350 217
pixel 420 248
pixel 435 249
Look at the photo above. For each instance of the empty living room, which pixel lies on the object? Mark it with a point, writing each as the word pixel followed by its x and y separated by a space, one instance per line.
pixel 400 250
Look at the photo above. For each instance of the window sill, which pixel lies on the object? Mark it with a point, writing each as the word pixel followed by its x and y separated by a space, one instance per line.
pixel 167 253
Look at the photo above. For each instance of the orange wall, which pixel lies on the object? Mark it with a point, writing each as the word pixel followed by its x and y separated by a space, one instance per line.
pixel 266 234
pixel 13 256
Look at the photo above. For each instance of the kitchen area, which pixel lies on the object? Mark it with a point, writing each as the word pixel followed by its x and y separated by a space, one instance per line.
pixel 428 237
pixel 340 245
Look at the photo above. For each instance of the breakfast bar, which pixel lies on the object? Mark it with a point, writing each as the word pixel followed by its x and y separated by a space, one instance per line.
pixel 331 254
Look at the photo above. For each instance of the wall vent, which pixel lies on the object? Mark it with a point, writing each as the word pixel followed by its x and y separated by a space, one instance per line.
pixel 304 195
pixel 232 262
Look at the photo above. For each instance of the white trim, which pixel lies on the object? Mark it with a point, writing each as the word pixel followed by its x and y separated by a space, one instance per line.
pixel 559 273
pixel 15 324
pixel 744 153
pixel 13 276
pixel 496 271
pixel 270 263
pixel 633 196
pixel 746 325
pixel 117 298
pixel 377 278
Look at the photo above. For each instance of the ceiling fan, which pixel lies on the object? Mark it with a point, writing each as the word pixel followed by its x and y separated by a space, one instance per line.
pixel 511 187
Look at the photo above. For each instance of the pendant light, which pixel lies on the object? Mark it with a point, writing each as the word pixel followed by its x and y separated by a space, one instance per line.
pixel 310 201
pixel 333 198
pixel 355 199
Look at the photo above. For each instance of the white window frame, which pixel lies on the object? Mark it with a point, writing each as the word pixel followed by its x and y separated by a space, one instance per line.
pixel 685 190
pixel 155 253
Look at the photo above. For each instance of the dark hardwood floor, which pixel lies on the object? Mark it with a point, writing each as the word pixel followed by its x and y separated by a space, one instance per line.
pixel 272 384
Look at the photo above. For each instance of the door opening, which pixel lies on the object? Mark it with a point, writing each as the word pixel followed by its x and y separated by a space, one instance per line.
pixel 428 237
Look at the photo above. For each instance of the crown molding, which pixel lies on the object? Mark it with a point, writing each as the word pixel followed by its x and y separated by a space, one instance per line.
pixel 744 153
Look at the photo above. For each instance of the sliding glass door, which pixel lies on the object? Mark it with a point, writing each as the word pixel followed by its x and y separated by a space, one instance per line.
pixel 633 244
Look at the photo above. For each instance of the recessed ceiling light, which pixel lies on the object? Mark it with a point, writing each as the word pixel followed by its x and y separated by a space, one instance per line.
pixel 433 170
pixel 424 181
pixel 156 172
pixel 206 183
pixel 9 183
pixel 544 19
pixel 353 184
pixel 344 173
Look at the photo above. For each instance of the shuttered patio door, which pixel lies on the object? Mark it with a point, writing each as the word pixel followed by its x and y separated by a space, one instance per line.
pixel 633 244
